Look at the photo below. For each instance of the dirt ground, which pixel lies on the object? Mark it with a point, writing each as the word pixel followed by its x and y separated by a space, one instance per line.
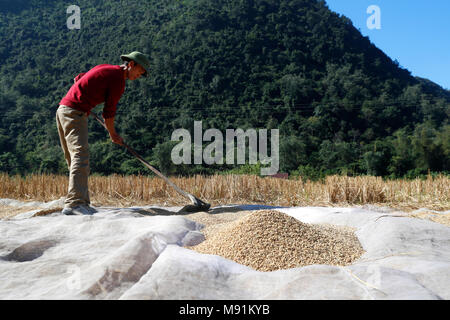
pixel 228 215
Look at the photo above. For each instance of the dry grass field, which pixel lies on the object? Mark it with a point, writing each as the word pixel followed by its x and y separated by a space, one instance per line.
pixel 123 191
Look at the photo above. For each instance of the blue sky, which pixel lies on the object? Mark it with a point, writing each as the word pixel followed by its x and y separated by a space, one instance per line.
pixel 416 33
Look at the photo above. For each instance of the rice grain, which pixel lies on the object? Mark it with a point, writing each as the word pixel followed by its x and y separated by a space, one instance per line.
pixel 269 240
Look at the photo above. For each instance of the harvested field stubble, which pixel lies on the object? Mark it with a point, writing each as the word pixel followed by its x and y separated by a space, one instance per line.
pixel 432 193
pixel 269 240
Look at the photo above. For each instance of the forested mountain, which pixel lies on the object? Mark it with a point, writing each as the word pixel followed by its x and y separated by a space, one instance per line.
pixel 340 103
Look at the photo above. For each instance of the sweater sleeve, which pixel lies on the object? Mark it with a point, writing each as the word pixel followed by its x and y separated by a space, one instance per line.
pixel 113 95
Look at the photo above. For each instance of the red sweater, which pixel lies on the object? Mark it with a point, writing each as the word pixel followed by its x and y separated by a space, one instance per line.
pixel 103 83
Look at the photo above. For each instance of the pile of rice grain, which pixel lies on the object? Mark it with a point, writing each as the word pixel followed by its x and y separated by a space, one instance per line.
pixel 269 240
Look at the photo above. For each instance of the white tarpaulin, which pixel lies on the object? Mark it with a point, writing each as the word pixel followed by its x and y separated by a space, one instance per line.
pixel 122 254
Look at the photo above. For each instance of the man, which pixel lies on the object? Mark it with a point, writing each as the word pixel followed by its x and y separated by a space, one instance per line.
pixel 102 84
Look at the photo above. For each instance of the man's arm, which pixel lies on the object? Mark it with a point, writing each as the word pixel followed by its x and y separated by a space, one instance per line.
pixel 109 123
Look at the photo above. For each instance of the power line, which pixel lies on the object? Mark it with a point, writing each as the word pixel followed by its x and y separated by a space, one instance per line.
pixel 283 108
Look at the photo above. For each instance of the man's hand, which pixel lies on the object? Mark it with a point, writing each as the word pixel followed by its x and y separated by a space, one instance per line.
pixel 116 138
pixel 109 123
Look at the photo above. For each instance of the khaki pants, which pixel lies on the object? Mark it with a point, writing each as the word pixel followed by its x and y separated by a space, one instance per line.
pixel 73 134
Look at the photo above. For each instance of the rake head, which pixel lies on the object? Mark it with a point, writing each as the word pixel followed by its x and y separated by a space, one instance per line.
pixel 196 206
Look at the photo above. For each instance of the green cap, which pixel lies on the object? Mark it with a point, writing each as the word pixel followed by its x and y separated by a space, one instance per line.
pixel 139 58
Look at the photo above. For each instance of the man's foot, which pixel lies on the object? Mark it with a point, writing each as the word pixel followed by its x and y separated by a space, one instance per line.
pixel 80 210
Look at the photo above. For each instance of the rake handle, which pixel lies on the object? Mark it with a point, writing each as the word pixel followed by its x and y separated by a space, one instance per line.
pixel 134 153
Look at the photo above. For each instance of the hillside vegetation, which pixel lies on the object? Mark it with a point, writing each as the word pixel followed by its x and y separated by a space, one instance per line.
pixel 342 106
